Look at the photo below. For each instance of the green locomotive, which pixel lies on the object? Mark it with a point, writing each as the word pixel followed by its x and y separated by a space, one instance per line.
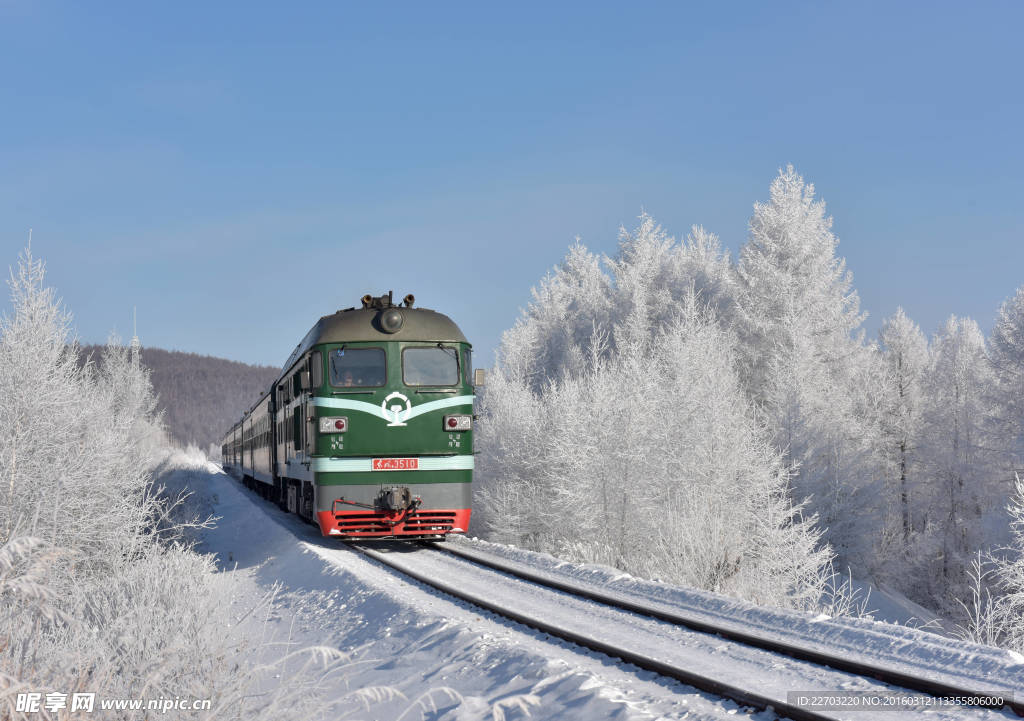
pixel 368 432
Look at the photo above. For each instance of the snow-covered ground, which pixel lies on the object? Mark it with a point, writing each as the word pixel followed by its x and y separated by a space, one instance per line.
pixel 885 604
pixel 408 637
pixel 448 659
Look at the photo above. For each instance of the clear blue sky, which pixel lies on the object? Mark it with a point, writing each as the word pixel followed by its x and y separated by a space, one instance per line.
pixel 236 170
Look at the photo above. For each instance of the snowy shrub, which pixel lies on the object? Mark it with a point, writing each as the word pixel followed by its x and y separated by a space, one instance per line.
pixel 159 626
pixel 982 622
pixel 188 457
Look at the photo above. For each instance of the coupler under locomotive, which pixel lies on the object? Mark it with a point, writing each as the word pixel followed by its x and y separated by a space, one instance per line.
pixel 395 512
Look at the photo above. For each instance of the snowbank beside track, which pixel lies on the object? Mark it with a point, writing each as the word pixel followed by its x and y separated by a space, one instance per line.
pixel 910 650
pixel 447 659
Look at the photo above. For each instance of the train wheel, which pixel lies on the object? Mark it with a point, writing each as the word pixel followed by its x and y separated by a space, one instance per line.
pixel 307 503
pixel 291 503
pixel 281 493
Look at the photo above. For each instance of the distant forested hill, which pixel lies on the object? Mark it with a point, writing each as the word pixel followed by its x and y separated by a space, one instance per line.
pixel 201 396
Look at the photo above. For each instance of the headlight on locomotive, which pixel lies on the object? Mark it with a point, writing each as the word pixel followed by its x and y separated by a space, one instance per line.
pixel 333 424
pixel 458 423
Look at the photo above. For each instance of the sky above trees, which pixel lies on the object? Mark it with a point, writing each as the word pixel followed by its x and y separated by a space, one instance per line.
pixel 185 158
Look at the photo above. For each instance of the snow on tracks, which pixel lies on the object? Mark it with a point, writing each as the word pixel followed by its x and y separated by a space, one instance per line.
pixel 905 649
pixel 971 675
pixel 748 675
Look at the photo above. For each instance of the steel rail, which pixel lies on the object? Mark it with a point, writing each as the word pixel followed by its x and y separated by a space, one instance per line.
pixel 741 696
pixel 860 668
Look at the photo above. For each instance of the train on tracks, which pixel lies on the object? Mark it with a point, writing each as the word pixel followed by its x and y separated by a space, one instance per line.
pixel 368 431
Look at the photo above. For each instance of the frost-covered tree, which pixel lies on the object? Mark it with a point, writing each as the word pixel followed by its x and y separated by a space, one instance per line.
pixel 1007 358
pixel 790 280
pixel 583 297
pixel 638 447
pixel 806 365
pixel 125 379
pixel 71 465
pixel 1010 569
pixel 39 381
pixel 957 453
pixel 900 452
pixel 702 264
pixel 90 600
pixel 551 336
pixel 652 275
pixel 905 351
pixel 568 327
pixel 510 497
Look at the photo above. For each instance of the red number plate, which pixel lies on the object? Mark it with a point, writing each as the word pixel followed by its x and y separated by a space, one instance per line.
pixel 396 464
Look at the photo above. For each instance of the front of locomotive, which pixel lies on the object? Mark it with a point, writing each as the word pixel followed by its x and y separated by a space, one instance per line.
pixel 393 424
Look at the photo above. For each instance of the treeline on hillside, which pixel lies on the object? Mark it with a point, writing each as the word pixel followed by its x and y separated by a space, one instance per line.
pixel 726 424
pixel 200 396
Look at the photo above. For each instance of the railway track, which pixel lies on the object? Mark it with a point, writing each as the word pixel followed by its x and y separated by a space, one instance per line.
pixel 843 675
pixel 879 672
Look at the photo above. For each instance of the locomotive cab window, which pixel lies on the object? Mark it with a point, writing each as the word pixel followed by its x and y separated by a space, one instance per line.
pixel 438 366
pixel 316 367
pixel 357 367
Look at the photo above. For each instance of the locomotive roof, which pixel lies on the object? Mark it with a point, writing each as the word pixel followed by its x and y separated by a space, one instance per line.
pixel 361 324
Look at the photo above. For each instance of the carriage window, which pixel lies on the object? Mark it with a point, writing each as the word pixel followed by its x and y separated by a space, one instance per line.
pixel 430 366
pixel 357 367
pixel 467 366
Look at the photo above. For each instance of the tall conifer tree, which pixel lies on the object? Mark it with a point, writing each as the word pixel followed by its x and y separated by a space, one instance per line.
pixel 906 359
pixel 1007 356
pixel 805 363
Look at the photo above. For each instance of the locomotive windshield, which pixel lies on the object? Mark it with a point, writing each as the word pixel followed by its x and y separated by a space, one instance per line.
pixel 357 367
pixel 430 366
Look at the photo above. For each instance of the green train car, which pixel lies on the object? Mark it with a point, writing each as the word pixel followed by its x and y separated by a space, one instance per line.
pixel 368 432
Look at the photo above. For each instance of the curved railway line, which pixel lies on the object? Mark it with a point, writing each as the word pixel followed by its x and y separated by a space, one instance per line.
pixel 397 557
pixel 895 677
